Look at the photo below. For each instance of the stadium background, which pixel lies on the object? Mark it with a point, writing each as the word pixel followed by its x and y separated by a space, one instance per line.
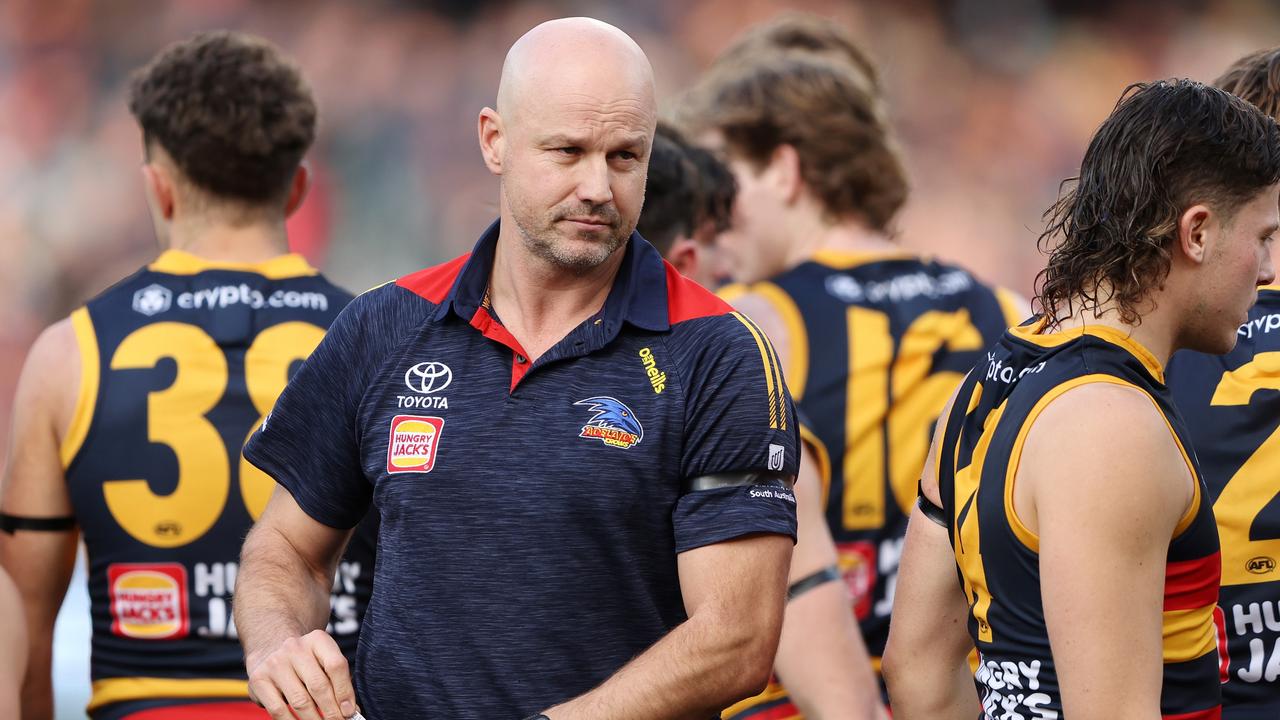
pixel 994 101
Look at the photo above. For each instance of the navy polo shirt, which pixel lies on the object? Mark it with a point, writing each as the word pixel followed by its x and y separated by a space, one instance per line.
pixel 531 512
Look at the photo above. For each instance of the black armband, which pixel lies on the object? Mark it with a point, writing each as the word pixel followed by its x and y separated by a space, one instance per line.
pixel 931 510
pixel 12 523
pixel 830 573
pixel 739 479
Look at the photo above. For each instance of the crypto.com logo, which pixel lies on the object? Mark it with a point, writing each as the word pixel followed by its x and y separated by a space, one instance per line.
pixel 152 300
pixel 428 377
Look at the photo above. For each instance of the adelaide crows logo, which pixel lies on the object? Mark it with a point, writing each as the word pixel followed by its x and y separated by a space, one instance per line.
pixel 612 424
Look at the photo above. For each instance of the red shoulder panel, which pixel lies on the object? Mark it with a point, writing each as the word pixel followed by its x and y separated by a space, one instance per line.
pixel 434 283
pixel 687 300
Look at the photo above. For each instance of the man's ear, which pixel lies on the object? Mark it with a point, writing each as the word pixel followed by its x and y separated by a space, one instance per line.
pixel 298 188
pixel 161 190
pixel 784 172
pixel 492 139
pixel 1195 227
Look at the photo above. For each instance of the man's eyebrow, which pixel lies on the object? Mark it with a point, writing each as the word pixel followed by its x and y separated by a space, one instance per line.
pixel 559 140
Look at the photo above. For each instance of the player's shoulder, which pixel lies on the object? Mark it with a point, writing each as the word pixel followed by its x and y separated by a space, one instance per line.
pixel 412 297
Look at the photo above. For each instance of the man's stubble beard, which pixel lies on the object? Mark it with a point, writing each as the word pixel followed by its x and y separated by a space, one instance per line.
pixel 542 241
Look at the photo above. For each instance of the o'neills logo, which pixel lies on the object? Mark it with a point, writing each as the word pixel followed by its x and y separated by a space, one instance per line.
pixel 413 443
pixel 148 601
pixel 657 378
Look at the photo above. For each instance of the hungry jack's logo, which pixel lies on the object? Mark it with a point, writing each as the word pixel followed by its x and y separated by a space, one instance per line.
pixel 413 443
pixel 612 423
pixel 148 600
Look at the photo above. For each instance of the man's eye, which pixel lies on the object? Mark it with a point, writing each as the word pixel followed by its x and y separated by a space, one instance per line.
pixel 569 150
pixel 625 155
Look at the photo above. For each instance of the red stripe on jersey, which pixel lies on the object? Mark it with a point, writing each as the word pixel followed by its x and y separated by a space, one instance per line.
pixel 1213 713
pixel 206 711
pixel 785 711
pixel 434 283
pixel 687 300
pixel 1192 584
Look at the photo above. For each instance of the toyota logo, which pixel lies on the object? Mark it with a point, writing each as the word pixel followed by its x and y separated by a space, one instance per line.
pixel 428 377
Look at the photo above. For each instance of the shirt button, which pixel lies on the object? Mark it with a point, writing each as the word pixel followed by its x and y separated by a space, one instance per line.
pixel 521 359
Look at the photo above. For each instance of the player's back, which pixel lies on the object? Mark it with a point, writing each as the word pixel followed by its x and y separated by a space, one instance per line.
pixel 1232 410
pixel 998 556
pixel 180 363
pixel 876 344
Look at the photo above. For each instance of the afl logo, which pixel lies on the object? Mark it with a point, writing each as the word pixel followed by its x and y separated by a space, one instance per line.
pixel 428 377
pixel 1261 565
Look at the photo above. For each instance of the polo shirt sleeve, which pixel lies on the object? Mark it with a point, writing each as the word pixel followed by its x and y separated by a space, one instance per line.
pixel 739 419
pixel 309 442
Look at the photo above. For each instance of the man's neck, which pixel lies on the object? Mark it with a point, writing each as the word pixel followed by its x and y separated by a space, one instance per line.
pixel 1155 332
pixel 538 302
pixel 249 243
pixel 846 236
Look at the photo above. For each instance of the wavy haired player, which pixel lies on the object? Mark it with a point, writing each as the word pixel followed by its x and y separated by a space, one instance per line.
pixel 1061 481
pixel 1232 410
pixel 872 337
pixel 585 487
pixel 130 414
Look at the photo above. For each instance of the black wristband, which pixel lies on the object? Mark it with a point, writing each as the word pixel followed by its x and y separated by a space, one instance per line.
pixel 831 573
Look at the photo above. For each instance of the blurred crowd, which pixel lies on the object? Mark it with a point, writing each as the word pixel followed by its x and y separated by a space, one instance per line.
pixel 993 99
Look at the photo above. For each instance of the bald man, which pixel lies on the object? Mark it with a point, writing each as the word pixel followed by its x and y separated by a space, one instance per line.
pixel 582 461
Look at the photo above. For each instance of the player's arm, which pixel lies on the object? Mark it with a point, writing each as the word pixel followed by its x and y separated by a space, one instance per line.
pixel 734 593
pixel 34 488
pixel 13 649
pixel 1109 487
pixel 281 608
pixel 821 657
pixel 925 662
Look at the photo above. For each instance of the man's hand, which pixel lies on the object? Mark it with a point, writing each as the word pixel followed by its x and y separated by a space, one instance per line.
pixel 304 677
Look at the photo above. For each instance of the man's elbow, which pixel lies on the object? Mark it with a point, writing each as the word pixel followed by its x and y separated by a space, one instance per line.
pixel 893 663
pixel 748 672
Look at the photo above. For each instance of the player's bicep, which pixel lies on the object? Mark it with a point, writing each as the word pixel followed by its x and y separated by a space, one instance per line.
pixel 929 608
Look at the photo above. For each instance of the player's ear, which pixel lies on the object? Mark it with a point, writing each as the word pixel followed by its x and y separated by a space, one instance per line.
pixel 298 188
pixel 492 139
pixel 683 256
pixel 1195 228
pixel 160 189
pixel 784 171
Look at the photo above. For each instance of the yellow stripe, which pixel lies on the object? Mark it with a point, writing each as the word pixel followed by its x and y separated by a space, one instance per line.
pixel 773 691
pixel 1188 634
pixel 1024 534
pixel 847 259
pixel 768 368
pixel 114 690
pixel 1034 333
pixel 780 385
pixel 87 398
pixel 821 457
pixel 177 262
pixel 732 292
pixel 796 364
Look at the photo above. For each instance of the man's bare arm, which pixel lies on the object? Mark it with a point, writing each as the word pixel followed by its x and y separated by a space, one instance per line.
pixel 734 593
pixel 41 562
pixel 925 663
pixel 281 609
pixel 821 658
pixel 1105 518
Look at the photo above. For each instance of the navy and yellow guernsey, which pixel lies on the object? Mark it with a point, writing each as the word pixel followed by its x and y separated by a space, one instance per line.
pixel 1232 407
pixel 878 341
pixel 180 363
pixel 998 557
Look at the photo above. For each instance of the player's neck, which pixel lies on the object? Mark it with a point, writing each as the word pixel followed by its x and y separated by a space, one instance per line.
pixel 842 236
pixel 540 303
pixel 248 243
pixel 1156 332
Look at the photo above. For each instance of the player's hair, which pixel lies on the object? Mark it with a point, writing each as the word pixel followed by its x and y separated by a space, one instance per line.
pixel 1255 78
pixel 716 188
pixel 1166 146
pixel 802 32
pixel 231 111
pixel 670 192
pixel 848 157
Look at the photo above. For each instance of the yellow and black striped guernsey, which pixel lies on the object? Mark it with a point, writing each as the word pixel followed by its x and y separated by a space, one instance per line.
pixel 998 557
pixel 1232 407
pixel 877 343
